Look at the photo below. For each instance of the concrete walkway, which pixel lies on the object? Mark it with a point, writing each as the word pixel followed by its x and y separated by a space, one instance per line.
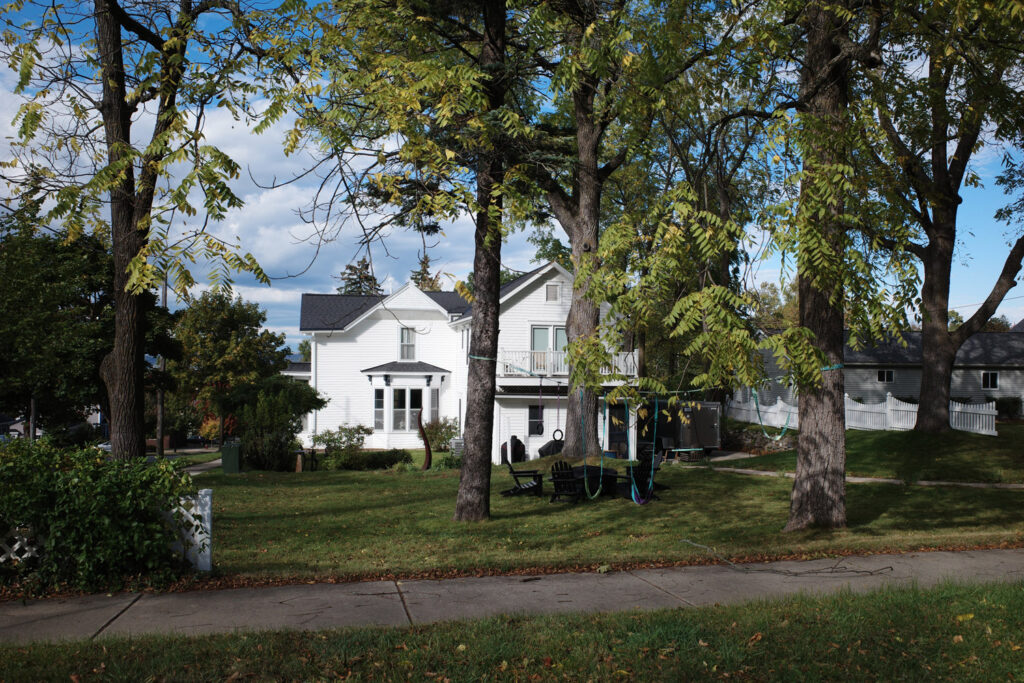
pixel 203 467
pixel 403 603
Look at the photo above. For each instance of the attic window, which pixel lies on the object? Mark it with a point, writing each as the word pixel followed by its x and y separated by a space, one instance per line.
pixel 885 376
pixel 990 380
pixel 407 344
pixel 552 292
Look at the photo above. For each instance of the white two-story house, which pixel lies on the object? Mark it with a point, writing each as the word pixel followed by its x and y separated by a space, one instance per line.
pixel 380 360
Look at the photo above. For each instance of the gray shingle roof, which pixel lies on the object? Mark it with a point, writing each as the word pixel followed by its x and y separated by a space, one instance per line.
pixel 298 366
pixel 332 311
pixel 449 301
pixel 983 349
pixel 1019 327
pixel 335 311
pixel 406 366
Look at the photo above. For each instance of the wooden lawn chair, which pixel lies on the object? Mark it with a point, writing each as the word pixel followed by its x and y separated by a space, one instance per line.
pixel 565 483
pixel 527 482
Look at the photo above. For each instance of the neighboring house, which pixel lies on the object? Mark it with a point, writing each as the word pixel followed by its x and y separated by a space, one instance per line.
pixel 381 359
pixel 989 365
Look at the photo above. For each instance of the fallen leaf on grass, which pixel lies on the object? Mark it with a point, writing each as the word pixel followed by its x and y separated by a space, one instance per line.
pixel 958 639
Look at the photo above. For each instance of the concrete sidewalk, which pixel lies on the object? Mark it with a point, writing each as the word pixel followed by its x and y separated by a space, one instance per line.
pixel 402 603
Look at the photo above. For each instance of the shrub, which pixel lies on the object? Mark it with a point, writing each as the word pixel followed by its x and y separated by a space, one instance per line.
pixel 210 429
pixel 376 460
pixel 270 416
pixel 448 461
pixel 441 432
pixel 97 521
pixel 341 444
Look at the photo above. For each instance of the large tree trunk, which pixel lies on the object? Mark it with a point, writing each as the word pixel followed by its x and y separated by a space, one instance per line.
pixel 818 498
pixel 582 224
pixel 121 370
pixel 474 499
pixel 937 348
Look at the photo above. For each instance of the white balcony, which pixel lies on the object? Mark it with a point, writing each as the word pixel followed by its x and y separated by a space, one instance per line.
pixel 554 364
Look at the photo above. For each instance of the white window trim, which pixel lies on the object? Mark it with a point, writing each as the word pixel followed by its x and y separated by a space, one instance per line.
pixel 557 286
pixel 410 415
pixel 995 376
pixel 890 374
pixel 402 345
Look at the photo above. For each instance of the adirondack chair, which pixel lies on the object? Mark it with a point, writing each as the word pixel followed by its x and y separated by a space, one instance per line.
pixel 641 476
pixel 527 481
pixel 565 483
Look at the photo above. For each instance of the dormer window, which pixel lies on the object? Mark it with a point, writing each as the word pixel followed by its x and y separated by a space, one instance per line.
pixel 407 344
pixel 552 292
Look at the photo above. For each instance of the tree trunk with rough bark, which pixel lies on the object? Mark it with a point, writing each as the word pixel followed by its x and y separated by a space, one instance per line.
pixel 474 498
pixel 122 368
pixel 818 498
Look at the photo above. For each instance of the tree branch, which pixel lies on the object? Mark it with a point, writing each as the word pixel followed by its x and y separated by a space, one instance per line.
pixel 1007 280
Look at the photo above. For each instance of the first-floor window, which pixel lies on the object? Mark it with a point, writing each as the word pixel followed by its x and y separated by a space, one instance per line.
pixel 535 423
pixel 405 403
pixel 885 376
pixel 398 421
pixel 990 380
pixel 435 405
pixel 378 409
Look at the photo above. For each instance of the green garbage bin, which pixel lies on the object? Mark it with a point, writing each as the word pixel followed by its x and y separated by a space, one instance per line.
pixel 230 457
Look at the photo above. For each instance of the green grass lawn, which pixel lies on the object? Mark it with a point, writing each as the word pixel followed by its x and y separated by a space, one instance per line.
pixel 959 633
pixel 955 456
pixel 367 524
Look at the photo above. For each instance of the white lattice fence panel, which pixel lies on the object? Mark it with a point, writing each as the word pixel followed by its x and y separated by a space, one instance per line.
pixel 16 546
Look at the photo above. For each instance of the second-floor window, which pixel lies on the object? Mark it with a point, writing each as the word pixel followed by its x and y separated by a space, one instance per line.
pixel 407 344
pixel 990 380
pixel 885 376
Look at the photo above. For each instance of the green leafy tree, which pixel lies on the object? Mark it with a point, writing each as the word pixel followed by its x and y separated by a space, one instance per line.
pixel 270 413
pixel 89 74
pixel 950 82
pixel 358 278
pixel 422 90
pixel 305 350
pixel 56 322
pixel 223 347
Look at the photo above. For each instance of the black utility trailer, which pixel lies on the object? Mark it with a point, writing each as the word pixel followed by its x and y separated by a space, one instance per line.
pixel 689 430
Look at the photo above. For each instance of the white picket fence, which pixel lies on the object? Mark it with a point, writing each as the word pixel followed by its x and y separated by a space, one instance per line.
pixel 893 414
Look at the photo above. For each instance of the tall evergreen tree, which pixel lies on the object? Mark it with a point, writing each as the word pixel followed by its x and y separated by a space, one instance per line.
pixel 359 279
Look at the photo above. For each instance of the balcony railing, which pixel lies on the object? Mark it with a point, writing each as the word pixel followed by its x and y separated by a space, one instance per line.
pixel 554 363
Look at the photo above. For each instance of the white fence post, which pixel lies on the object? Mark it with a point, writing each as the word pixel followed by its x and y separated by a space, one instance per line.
pixel 196 530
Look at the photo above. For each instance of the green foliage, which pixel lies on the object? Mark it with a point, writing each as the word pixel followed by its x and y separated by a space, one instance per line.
pixel 223 346
pixel 448 461
pixel 423 278
pixel 100 522
pixel 441 432
pixel 376 460
pixel 305 350
pixel 270 416
pixel 358 279
pixel 341 444
pixel 56 321
pixel 175 173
